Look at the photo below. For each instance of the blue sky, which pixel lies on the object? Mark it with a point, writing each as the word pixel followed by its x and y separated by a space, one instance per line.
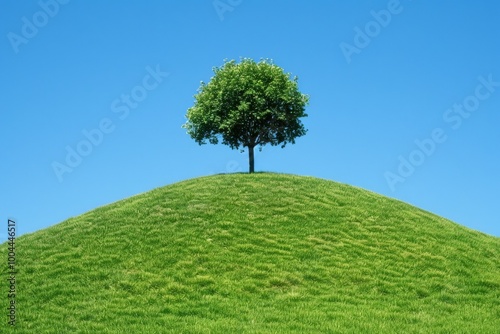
pixel 404 99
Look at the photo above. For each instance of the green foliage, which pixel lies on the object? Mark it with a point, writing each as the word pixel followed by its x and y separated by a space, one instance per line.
pixel 258 253
pixel 247 104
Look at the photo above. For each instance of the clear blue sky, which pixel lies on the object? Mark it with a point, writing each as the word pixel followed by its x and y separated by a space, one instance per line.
pixel 380 75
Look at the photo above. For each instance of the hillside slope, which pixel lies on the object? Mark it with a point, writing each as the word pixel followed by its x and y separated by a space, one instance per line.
pixel 261 253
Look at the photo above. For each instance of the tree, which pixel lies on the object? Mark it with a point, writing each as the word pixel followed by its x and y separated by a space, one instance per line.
pixel 248 104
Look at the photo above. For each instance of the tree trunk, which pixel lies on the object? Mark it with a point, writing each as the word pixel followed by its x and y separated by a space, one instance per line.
pixel 250 159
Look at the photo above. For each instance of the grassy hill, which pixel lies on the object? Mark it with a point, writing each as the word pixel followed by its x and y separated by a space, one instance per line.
pixel 261 253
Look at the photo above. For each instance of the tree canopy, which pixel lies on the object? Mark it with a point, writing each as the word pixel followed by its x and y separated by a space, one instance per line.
pixel 248 104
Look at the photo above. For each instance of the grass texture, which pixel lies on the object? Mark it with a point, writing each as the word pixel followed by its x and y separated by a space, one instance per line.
pixel 256 253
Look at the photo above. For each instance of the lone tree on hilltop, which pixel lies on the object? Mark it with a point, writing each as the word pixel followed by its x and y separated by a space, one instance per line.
pixel 248 104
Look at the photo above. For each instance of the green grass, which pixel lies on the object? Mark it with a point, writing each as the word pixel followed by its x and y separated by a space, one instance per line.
pixel 261 253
